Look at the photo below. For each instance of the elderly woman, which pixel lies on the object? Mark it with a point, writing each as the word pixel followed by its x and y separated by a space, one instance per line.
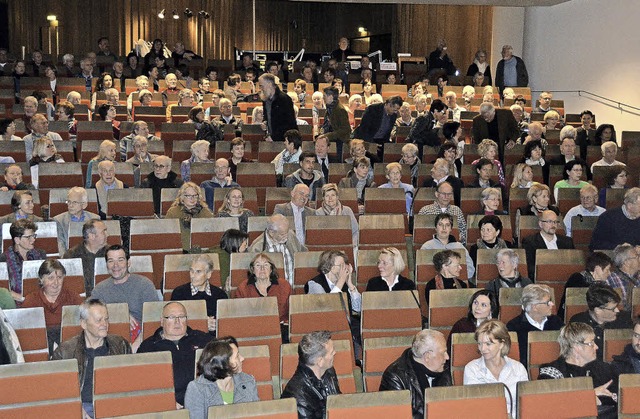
pixel 142 83
pixel 355 102
pixel 507 261
pixel 23 238
pixel 200 282
pixel 52 296
pixel 390 265
pixel 578 359
pixel 538 201
pixel 233 206
pixel 552 120
pixel 490 202
pixel 141 152
pixel 490 231
pixel 448 268
pixel 335 276
pixel 257 116
pixel 494 366
pixel 483 306
pixel 291 152
pixel 615 178
pixel 107 151
pixel 237 156
pixel 263 281
pixel 393 172
pixel 357 149
pixel 410 157
pixel 189 204
pixel 522 176
pixel 421 102
pixel 331 205
pixel 21 208
pixel 44 151
pixel 571 178
pixel 199 154
pixel 468 93
pixel 359 177
pixel 488 149
pixel 220 380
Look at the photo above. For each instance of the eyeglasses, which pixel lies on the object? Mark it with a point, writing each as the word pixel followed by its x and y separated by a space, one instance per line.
pixel 550 222
pixel 589 344
pixel 546 303
pixel 174 318
pixel 30 236
pixel 189 196
pixel 614 309
pixel 445 194
pixel 75 202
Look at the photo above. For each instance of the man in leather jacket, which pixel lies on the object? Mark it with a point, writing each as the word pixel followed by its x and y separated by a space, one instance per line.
pixel 314 379
pixel 419 367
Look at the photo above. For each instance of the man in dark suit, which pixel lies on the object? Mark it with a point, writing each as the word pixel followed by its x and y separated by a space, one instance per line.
pixel 378 121
pixel 278 108
pixel 440 174
pixel 545 239
pixel 322 156
pixel 496 124
pixel 567 151
pixel 297 209
pixel 585 135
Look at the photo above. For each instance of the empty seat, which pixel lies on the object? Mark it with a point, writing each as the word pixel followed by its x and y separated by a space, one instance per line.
pixel 628 396
pixel 390 313
pixel 581 230
pixel 554 267
pixel 119 321
pixel 378 354
pixel 464 349
pixel 562 398
pixel 381 230
pixel 131 202
pixel 478 400
pixel 510 303
pixel 614 342
pixel 152 312
pixel 206 233
pixel 575 302
pixel 373 406
pixel 59 175
pixel 257 362
pixel 31 330
pixel 310 312
pixel 543 349
pixel 447 307
pixel 270 409
pixel 169 414
pixel 385 201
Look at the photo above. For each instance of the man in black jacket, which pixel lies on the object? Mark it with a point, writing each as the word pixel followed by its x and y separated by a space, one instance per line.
pixel 278 108
pixel 628 362
pixel 377 122
pixel 314 379
pixel 420 367
pixel 161 177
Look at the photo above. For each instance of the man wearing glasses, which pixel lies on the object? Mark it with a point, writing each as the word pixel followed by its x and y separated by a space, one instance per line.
pixel 77 202
pixel 161 177
pixel 546 238
pixel 176 336
pixel 444 195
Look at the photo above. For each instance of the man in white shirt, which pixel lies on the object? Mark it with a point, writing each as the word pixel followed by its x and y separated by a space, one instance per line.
pixel 609 152
pixel 587 207
pixel 39 129
pixel 454 110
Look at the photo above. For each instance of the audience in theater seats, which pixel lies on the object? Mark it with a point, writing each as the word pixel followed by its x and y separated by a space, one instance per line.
pixel 237 155
pixel 538 196
pixel 21 208
pixel 174 335
pixel 545 239
pixel 498 125
pixel 93 246
pixel 315 378
pixel 162 177
pixel 13 180
pixel 378 121
pixel 443 239
pixel 232 241
pixel 440 173
pixel 306 175
pixel 626 260
pixel 77 202
pixel 587 207
pixel 93 341
pixel 603 313
pixel 447 266
pixel 618 225
pixel 571 179
pixel 483 306
pixel 233 206
pixel 488 149
pixel 426 128
pixel 424 365
pixel 189 204
pixel 141 152
pixel 404 120
pixel 221 179
pixel 534 156
pixel 390 265
pixel 509 276
pixel 39 129
pixel 444 193
pixel 331 205
pixel 597 268
pixel 609 151
pixel 393 173
pixel 126 143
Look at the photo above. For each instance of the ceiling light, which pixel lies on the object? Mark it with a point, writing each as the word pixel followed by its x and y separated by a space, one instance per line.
pixel 188 13
pixel 161 14
pixel 204 14
pixel 51 18
pixel 175 14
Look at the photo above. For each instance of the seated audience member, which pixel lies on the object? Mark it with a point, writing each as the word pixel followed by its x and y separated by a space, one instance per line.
pixel 94 340
pixel 609 151
pixel 578 347
pixel 162 177
pixel 405 119
pixel 30 108
pixel 315 378
pixel 568 150
pixel 585 135
pixel 232 241
pixel 220 380
pixel 484 169
pixel 537 314
pixel 44 151
pixel 440 173
pixel 94 245
pixel 233 206
pixel 106 152
pixel 172 82
pixel 107 112
pixel 426 128
pixel 174 335
pixel 126 143
pixel 544 103
pixel 189 204
pixel 263 281
pixel 455 111
pixel 604 133
pixel 393 173
pixel 390 265
pixel 444 240
pixel 546 238
pixel 39 128
pixel 494 366
pixel 488 149
pixel 552 121
pixel 65 111
pixel 331 205
pixel 628 362
pixel 142 83
pixel 52 296
pixel 358 149
pixel 237 156
pixel 444 194
pixel 447 266
pixel 279 238
pixel 509 276
pixel 306 174
pixel 141 152
pixel 483 306
pixel 77 202
pixel 73 97
pixel 490 201
pixel 410 157
pixel 297 209
pixel 626 260
pixel 291 153
pixel 538 198
pixel 519 115
pixel 8 130
pixel 535 133
pixel 423 365
pixel 226 115
pixel 359 177
pixel 522 176
pixel 125 287
pixel 490 231
pixel 21 208
pixel 616 178
pixel 571 178
pixel 221 179
pixel 534 156
pixel 618 225
pixel 452 149
pixel 597 268
pixel 199 154
pixel 602 313
pixel 587 207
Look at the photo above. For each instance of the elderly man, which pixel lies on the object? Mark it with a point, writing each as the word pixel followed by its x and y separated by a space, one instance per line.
pixel 39 129
pixel 422 366
pixel 597 268
pixel 94 245
pixel 609 152
pixel 546 238
pixel 439 58
pixel 455 111
pixel 162 177
pixel 175 336
pixel 496 124
pixel 626 259
pixel 511 70
pixel 603 313
pixel 321 146
pixel 29 107
pixel 619 225
pixel 587 207
pixel 13 180
pixel 112 96
pixel 568 150
pixel 544 103
pixel 125 287
pixel 297 209
pixel 443 239
pixel 628 362
pixel 86 66
pixel 537 314
pixel 221 179
pixel 343 51
pixel 93 341
pixel 278 238
pixel 69 68
pixel 180 53
pixel 74 97
pixel 439 174
pixel 278 108
pixel 378 121
pixel 444 194
pixel 76 205
pixel 141 152
pixel 315 378
pixel 306 174
pixel 126 143
pixel 172 89
pixel 108 181
pixel 226 114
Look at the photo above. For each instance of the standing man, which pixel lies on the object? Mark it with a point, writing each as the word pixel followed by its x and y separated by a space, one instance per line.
pixel 377 122
pixel 440 60
pixel 315 378
pixel 322 156
pixel 511 70
pixel 306 174
pixel 496 124
pixel 278 108
pixel 297 208
pixel 94 245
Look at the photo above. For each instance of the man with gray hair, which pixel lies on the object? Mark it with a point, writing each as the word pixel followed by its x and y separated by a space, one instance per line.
pixel 439 174
pixel 77 202
pixel 422 366
pixel 126 142
pixel 69 68
pixel 537 314
pixel 162 177
pixel 587 207
pixel 626 259
pixel 619 225
pixel 498 125
pixel 609 151
pixel 297 208
pixel 39 128
pixel 315 378
pixel 509 276
pixel 94 245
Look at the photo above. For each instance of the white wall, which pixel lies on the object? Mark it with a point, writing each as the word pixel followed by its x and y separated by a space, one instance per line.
pixel 588 45
pixel 508 29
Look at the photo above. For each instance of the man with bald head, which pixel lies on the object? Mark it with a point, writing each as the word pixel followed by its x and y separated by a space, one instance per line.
pixel 221 179
pixel 297 209
pixel 175 336
pixel 161 177
pixel 172 88
pixel 546 238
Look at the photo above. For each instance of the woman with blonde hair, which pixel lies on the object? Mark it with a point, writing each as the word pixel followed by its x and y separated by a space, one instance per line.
pixel 390 265
pixel 233 206
pixel 190 203
pixel 107 151
pixel 393 172
pixel 522 176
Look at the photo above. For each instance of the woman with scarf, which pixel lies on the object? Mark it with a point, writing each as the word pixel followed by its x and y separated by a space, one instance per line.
pixel 189 204
pixel 290 154
pixel 507 261
pixel 447 265
pixel 336 125
pixel 331 205
pixel 490 231
pixel 359 177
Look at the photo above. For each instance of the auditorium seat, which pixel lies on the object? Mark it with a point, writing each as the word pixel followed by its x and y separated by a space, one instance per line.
pixel 149 114
pixel 628 396
pixel 60 175
pixel 152 312
pixel 274 196
pixel 119 321
pixel 385 201
pixel 614 342
pixel 575 302
pixel 14 149
pixel 581 230
pixel 614 198
pixel 561 398
pixel 337 171
pixel 478 400
pixel 309 312
pixel 239 268
pixel 206 232
pixel 180 148
pixel 130 202
pixel 202 171
pixel 529 225
pixel 447 307
pixel 464 349
pixel 567 199
pixel 554 267
pixel 425 272
pixel 378 354
pixel 510 303
pixel 223 150
pixel 329 233
pixel 305 266
pixel 367 266
pixel 382 230
pixel 372 406
pixel 31 330
pixel 486 269
pixel 257 175
pixel 423 227
pixel 390 313
pixel 168 414
pixel 543 348
pixel 58 201
pixel 93 130
pixel 270 409
pixel 268 150
pixel 392 152
pixel 167 198
pixel 470 174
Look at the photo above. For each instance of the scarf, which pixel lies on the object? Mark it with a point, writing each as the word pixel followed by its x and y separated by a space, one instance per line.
pixel 440 282
pixel 336 211
pixel 188 214
pixel 481 67
pixel 499 244
pixel 511 282
pixel 530 162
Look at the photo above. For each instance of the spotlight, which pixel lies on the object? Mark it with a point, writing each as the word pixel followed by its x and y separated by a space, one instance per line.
pixel 188 13
pixel 204 14
pixel 161 14
pixel 51 18
pixel 175 14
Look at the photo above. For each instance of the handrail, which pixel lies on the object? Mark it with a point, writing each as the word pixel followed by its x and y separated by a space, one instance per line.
pixel 603 100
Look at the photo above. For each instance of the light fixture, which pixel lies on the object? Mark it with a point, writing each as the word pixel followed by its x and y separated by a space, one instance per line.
pixel 161 14
pixel 175 14
pixel 362 29
pixel 51 18
pixel 188 13
pixel 204 14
